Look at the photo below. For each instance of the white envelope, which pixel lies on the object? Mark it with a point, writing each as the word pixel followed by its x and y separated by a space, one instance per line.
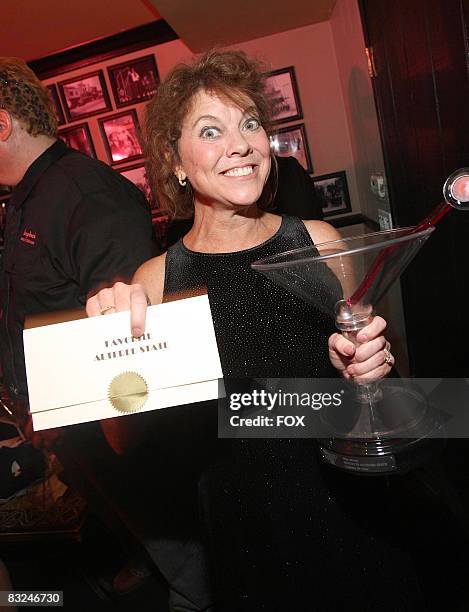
pixel 86 370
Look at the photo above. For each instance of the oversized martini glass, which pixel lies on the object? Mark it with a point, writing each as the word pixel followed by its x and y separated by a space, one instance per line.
pixel 346 279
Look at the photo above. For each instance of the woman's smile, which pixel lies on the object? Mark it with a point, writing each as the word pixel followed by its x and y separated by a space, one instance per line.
pixel 241 171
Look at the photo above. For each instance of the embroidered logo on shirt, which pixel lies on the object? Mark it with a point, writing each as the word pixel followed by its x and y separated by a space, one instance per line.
pixel 29 237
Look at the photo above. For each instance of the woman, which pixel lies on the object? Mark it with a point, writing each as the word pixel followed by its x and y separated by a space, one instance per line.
pixel 280 533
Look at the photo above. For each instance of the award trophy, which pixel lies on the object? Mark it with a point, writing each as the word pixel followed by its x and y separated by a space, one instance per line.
pixel 380 428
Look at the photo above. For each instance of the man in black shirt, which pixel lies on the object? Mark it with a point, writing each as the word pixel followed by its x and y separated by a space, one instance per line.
pixel 67 229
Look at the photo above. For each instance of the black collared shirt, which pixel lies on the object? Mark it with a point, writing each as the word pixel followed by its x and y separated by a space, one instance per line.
pixel 73 225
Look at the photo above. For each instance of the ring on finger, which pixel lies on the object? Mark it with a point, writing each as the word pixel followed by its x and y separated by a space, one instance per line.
pixel 387 356
pixel 105 309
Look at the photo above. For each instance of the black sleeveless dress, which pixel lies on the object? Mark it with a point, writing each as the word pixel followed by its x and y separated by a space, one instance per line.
pixel 286 532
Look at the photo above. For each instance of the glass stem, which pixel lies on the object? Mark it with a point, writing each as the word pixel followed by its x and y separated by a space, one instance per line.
pixel 367 393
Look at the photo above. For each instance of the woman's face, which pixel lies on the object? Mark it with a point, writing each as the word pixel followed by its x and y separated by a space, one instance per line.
pixel 224 152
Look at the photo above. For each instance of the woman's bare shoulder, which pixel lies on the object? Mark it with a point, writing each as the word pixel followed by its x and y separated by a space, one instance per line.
pixel 151 276
pixel 320 231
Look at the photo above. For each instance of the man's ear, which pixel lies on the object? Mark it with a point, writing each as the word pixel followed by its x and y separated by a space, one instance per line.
pixel 6 125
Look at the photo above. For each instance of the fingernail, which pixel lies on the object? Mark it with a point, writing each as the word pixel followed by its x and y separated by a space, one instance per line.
pixel 351 371
pixel 363 338
pixel 137 332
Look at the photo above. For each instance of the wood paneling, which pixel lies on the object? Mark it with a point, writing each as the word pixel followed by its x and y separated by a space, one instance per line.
pixel 422 94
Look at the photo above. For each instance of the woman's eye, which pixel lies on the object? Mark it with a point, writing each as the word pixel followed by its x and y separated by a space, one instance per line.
pixel 252 124
pixel 209 132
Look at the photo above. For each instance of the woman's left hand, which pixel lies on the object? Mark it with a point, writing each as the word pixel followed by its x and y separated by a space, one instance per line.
pixel 370 360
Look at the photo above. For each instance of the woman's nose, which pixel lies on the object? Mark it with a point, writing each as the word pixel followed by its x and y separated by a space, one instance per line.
pixel 237 144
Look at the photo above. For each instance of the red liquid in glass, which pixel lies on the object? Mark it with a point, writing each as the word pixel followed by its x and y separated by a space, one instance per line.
pixel 429 221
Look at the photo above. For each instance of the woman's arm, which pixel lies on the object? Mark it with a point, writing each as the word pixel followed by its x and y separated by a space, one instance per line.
pixel 320 231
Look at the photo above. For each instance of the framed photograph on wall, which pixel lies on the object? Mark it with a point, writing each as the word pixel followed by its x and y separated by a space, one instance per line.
pixel 78 137
pixel 56 103
pixel 84 96
pixel 282 88
pixel 120 136
pixel 291 142
pixel 332 192
pixel 134 81
pixel 137 174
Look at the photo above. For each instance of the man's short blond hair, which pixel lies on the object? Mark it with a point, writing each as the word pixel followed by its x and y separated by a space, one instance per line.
pixel 24 96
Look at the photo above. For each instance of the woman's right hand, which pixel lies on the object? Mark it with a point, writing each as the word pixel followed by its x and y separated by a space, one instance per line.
pixel 118 298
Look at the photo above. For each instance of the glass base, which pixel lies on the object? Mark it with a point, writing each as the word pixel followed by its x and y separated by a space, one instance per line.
pixel 392 411
pixel 395 434
pixel 374 457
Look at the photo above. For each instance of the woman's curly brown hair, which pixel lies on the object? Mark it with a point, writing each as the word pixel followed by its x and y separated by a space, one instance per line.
pixel 228 74
pixel 24 96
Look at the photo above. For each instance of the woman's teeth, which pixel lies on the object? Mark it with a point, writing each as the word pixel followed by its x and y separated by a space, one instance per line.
pixel 239 171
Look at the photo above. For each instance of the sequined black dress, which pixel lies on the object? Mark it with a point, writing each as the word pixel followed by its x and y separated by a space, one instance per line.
pixel 286 533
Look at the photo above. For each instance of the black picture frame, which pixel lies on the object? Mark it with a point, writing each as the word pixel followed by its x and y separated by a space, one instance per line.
pixel 84 96
pixel 282 87
pixel 136 173
pixel 134 81
pixel 101 50
pixel 291 141
pixel 78 137
pixel 332 191
pixel 120 133
pixel 54 94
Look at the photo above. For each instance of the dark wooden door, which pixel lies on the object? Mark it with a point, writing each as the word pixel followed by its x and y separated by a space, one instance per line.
pixel 420 50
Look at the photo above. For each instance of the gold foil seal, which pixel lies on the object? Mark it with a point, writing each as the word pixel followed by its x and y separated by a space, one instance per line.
pixel 128 392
